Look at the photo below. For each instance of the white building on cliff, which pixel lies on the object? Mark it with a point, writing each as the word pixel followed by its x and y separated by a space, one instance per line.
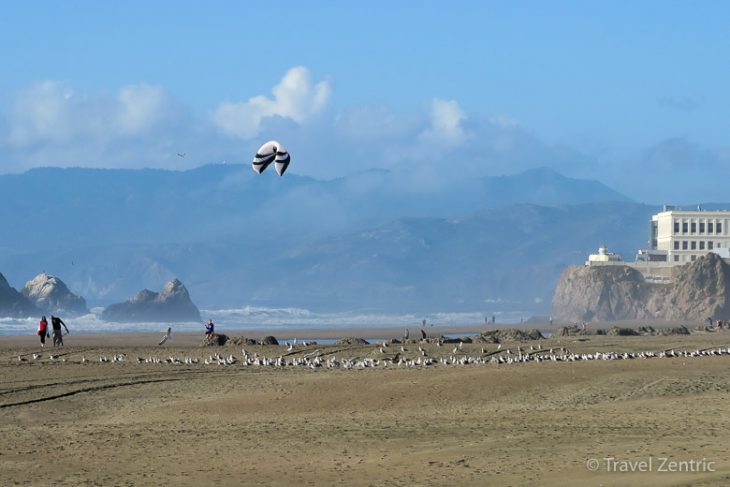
pixel 676 237
pixel 683 236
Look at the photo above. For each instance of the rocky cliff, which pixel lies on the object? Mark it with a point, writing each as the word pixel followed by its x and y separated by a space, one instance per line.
pixel 700 289
pixel 51 295
pixel 172 304
pixel 13 303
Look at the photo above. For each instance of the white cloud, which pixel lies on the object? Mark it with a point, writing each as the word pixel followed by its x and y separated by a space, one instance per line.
pixel 295 97
pixel 141 107
pixel 446 124
pixel 48 112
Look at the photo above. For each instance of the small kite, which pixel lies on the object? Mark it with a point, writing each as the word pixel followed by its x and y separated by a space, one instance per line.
pixel 272 151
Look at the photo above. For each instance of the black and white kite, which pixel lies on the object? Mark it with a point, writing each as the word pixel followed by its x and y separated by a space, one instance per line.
pixel 272 151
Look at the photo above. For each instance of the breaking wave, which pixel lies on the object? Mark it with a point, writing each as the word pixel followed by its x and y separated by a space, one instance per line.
pixel 261 318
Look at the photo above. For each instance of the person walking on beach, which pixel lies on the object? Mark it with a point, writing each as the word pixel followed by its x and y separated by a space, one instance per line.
pixel 56 323
pixel 209 327
pixel 43 330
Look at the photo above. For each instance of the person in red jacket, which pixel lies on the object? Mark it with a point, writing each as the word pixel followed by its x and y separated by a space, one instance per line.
pixel 43 330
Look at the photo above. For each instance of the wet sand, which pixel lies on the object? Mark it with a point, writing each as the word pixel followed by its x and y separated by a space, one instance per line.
pixel 536 423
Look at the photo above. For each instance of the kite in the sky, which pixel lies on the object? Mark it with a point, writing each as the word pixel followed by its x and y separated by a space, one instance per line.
pixel 272 151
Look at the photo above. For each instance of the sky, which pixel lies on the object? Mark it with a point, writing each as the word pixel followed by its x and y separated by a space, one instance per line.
pixel 631 93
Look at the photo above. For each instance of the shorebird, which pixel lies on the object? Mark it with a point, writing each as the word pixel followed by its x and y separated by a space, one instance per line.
pixel 36 356
pixel 167 336
pixel 290 347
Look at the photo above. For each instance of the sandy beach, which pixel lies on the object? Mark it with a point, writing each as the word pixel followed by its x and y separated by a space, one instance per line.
pixel 130 423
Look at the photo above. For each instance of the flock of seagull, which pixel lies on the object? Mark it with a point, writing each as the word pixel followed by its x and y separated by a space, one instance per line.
pixel 316 359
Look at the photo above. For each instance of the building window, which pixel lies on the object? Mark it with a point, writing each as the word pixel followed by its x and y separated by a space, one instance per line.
pixel 709 227
pixel 676 258
pixel 718 227
pixel 709 245
pixel 702 245
pixel 702 227
pixel 676 227
pixel 693 245
pixel 693 227
pixel 676 245
pixel 684 227
pixel 684 245
pixel 693 257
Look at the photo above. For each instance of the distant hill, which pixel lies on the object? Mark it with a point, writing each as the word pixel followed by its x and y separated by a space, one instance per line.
pixel 373 240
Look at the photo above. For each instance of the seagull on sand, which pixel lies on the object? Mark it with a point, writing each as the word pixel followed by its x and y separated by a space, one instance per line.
pixel 167 336
pixel 36 356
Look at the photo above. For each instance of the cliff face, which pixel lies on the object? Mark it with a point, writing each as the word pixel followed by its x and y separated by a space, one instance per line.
pixel 13 303
pixel 172 304
pixel 51 295
pixel 700 290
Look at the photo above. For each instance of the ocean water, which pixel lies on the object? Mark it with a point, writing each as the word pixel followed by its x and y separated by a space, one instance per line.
pixel 260 318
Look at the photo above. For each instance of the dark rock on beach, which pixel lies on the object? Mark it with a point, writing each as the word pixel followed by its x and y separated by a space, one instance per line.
pixel 215 340
pixel 352 341
pixel 508 335
pixel 269 340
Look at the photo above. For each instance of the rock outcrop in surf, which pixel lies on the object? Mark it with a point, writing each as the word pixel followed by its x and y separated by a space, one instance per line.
pixel 172 304
pixel 51 296
pixel 699 290
pixel 13 303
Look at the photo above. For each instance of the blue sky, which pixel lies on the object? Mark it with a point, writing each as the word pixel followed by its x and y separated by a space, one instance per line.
pixel 606 90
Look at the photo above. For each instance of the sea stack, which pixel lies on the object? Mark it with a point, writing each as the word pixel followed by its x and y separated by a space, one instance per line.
pixel 172 304
pixel 13 303
pixel 51 295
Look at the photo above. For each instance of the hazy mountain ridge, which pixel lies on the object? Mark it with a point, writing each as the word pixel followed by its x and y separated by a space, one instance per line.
pixel 372 240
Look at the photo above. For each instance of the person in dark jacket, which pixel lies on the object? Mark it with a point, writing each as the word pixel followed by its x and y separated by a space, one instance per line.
pixel 56 323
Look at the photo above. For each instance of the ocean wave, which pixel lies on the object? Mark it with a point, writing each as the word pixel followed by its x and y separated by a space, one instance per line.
pixel 258 318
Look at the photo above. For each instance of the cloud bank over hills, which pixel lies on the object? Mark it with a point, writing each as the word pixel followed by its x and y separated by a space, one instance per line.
pixel 143 125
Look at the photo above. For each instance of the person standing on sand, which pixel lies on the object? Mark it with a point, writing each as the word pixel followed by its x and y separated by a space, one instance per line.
pixel 209 327
pixel 43 330
pixel 56 323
